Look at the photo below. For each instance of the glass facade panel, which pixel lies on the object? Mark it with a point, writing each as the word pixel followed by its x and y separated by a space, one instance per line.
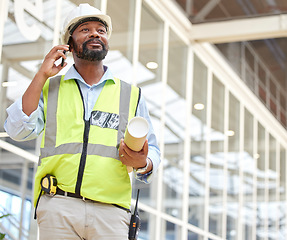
pixel 147 228
pixel 120 55
pixel 16 183
pixel 198 145
pixel 175 127
pixel 171 231
pixel 217 158
pixel 261 184
pixel 249 170
pixel 149 80
pixel 9 204
pixel 233 159
pixel 273 200
pixel 282 192
pixel 193 236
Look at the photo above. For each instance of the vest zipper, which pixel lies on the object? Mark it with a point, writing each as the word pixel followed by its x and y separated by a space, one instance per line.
pixel 84 150
pixel 83 158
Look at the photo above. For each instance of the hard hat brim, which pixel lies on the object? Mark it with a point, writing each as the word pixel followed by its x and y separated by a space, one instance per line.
pixel 105 18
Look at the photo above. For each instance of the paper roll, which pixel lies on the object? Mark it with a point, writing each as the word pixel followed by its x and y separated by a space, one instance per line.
pixel 136 133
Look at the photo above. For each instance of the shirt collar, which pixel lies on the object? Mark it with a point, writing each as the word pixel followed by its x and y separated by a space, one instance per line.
pixel 72 73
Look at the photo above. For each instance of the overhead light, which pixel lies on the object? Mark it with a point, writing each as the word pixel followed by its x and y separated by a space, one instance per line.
pixel 199 106
pixel 230 133
pixel 9 84
pixel 152 65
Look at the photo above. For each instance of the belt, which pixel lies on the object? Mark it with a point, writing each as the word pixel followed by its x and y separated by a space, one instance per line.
pixel 73 195
pixel 68 194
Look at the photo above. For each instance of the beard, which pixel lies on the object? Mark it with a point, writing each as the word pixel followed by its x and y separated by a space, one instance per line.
pixel 91 55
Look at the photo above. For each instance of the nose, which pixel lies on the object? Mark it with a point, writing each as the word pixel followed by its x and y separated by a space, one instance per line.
pixel 94 34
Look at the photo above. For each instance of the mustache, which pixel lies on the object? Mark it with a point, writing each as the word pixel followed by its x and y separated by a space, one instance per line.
pixel 93 40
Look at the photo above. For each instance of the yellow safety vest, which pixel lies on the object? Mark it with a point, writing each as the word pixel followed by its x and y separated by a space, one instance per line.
pixel 83 155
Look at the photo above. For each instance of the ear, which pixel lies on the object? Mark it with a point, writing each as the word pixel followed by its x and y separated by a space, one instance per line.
pixel 71 44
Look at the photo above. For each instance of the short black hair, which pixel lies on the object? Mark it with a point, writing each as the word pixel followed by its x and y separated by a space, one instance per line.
pixel 72 28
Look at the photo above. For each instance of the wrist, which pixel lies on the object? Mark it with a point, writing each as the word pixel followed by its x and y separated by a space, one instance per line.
pixel 41 76
pixel 146 168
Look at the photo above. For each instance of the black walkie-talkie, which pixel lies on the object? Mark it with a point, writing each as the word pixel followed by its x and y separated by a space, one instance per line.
pixel 135 222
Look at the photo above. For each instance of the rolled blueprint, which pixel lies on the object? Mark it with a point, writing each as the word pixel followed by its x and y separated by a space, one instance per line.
pixel 136 133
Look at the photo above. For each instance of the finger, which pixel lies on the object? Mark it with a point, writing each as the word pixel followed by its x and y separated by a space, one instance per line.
pixel 145 146
pixel 127 151
pixel 61 53
pixel 124 148
pixel 64 65
pixel 60 48
pixel 121 152
pixel 54 56
pixel 60 66
pixel 123 158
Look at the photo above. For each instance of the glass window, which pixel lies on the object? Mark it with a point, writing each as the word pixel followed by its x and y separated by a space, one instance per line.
pixel 217 178
pixel 273 204
pixel 249 170
pixel 198 145
pixel 147 227
pixel 194 236
pixel 175 126
pixel 149 80
pixel 261 183
pixel 282 192
pixel 171 231
pixel 272 168
pixel 283 176
pixel 233 158
pixel 16 174
pixel 120 55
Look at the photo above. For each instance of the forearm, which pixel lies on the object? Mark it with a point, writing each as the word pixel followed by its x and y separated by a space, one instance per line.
pixel 21 127
pixel 48 69
pixel 31 97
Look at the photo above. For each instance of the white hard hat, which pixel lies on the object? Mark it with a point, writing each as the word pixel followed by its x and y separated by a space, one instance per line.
pixel 84 12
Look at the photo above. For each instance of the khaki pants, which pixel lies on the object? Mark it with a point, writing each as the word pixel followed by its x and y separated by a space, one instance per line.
pixel 61 217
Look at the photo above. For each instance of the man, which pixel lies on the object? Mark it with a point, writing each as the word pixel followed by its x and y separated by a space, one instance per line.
pixel 83 116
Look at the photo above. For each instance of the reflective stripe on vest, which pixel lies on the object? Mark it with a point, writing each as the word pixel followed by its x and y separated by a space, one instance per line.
pixel 74 148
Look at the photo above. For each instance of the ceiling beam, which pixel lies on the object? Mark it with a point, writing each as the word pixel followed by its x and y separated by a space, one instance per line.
pixel 19 151
pixel 24 71
pixel 247 29
pixel 26 51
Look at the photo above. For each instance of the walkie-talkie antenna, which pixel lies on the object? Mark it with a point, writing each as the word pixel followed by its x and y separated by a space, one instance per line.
pixel 136 206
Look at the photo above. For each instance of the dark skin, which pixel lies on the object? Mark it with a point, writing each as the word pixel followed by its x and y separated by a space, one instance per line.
pixel 91 72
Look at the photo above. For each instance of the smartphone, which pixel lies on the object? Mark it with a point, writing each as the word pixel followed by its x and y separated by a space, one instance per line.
pixel 63 59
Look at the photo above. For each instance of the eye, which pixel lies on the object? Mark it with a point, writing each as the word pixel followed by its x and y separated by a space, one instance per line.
pixel 84 30
pixel 102 31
